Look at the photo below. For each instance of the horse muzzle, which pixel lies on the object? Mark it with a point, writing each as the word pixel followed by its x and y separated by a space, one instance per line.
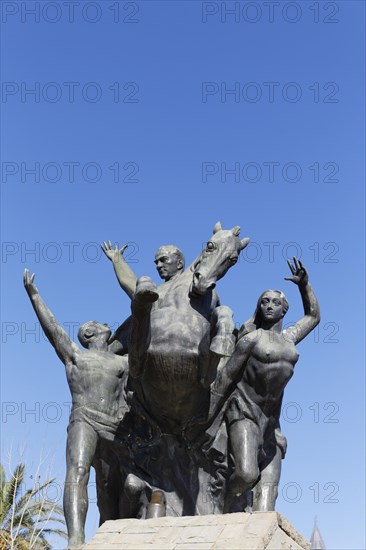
pixel 200 285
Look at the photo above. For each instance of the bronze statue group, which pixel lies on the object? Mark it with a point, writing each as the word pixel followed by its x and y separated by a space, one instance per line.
pixel 177 411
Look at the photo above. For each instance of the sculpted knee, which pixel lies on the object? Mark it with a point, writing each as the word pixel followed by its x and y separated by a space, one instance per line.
pixel 134 487
pixel 225 323
pixel 81 472
pixel 223 343
pixel 225 313
pixel 245 479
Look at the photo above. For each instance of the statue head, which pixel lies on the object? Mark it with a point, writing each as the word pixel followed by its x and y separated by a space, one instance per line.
pixel 218 256
pixel 169 261
pixel 272 306
pixel 93 332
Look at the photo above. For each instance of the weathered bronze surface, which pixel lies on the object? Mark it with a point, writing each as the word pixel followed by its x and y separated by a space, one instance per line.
pixel 177 411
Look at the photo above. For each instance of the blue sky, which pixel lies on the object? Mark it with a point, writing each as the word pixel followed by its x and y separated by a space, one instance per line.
pixel 140 110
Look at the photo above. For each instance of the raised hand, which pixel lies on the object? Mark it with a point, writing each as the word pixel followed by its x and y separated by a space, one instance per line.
pixel 28 279
pixel 113 254
pixel 299 274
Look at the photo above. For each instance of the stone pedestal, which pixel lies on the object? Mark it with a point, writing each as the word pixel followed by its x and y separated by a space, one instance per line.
pixel 257 531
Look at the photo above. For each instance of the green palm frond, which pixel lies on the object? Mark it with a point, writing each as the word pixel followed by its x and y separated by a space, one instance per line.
pixel 5 539
pixel 27 502
pixel 35 539
pixel 59 532
pixel 21 542
pixel 11 491
pixel 25 519
pixel 2 481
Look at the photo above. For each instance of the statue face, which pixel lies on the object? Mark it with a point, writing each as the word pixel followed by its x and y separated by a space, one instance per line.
pixel 167 263
pixel 99 330
pixel 271 307
pixel 104 331
pixel 92 332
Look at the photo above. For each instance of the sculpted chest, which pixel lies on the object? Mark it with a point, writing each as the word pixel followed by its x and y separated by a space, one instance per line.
pixel 273 348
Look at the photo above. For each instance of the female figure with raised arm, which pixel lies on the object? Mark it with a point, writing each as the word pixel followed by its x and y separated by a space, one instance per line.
pixel 261 365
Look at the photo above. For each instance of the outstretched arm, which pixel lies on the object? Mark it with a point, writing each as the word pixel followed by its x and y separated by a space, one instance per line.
pixel 311 305
pixel 126 277
pixel 64 346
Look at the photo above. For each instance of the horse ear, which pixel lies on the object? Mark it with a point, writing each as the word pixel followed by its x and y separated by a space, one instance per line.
pixel 236 230
pixel 244 243
pixel 217 227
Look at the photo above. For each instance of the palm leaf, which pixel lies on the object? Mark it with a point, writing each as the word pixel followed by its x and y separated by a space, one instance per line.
pixel 24 518
pixel 2 481
pixel 5 539
pixel 60 532
pixel 11 491
pixel 27 503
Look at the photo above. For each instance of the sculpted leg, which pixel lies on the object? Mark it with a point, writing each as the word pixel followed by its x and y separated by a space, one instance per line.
pixel 143 299
pixel 266 490
pixel 108 481
pixel 244 439
pixel 223 343
pixel 137 493
pixel 80 450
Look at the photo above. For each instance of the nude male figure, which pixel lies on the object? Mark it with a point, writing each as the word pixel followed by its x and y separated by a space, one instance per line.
pixel 96 379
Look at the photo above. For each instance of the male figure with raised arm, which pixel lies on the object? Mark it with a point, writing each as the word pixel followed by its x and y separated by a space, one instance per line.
pixel 170 264
pixel 96 379
pixel 169 261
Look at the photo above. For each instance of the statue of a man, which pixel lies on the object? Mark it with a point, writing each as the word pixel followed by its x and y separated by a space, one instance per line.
pixel 96 379
pixel 169 261
pixel 170 264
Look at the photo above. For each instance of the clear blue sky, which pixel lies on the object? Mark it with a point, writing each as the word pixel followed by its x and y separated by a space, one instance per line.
pixel 138 102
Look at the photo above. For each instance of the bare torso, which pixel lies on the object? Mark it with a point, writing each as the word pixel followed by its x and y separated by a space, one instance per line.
pixel 269 368
pixel 96 380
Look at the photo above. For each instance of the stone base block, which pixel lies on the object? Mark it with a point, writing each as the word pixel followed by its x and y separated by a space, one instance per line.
pixel 257 531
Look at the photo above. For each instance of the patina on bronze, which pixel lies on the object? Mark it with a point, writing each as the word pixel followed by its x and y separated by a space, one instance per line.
pixel 178 411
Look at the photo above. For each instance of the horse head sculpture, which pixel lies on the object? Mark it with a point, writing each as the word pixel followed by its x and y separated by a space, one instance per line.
pixel 221 253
